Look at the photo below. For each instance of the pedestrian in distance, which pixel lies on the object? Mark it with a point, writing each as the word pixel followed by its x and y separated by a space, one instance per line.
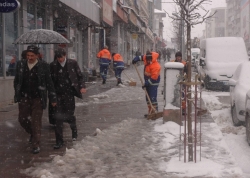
pixel 12 66
pixel 32 82
pixel 164 54
pixel 104 62
pixel 168 53
pixel 151 77
pixel 138 52
pixel 118 65
pixel 68 81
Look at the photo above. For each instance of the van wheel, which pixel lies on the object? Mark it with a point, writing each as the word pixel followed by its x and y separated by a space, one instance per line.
pixel 236 121
pixel 248 128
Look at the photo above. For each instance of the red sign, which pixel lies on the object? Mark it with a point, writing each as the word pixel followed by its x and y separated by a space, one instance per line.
pixel 107 13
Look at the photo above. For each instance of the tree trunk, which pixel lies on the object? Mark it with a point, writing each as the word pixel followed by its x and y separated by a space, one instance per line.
pixel 189 103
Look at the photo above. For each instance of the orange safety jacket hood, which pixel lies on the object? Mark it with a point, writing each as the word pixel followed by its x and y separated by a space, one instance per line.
pixel 152 70
pixel 117 57
pixel 104 54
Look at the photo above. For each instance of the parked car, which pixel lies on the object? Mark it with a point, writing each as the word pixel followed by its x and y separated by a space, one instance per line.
pixel 219 58
pixel 239 86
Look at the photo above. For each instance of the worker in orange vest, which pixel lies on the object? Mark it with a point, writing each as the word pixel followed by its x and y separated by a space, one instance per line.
pixel 118 65
pixel 152 71
pixel 104 62
pixel 178 58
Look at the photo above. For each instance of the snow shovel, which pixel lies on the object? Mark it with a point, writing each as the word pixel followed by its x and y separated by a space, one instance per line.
pixel 131 82
pixel 153 114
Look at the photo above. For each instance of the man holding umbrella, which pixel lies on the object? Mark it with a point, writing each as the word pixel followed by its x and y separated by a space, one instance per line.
pixel 31 83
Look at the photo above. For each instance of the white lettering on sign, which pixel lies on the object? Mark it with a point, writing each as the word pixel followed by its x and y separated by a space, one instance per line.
pixel 7 4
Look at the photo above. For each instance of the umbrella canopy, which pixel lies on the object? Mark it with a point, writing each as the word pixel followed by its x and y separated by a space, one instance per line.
pixel 41 36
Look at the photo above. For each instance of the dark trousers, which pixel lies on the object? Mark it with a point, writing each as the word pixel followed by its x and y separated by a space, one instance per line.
pixel 104 71
pixel 118 73
pixel 30 118
pixel 65 109
pixel 152 92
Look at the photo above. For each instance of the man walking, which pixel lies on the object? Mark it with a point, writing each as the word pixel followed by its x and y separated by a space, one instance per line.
pixel 31 83
pixel 151 77
pixel 104 61
pixel 118 66
pixel 68 82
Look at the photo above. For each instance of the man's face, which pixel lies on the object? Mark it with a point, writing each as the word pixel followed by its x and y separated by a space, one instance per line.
pixel 31 57
pixel 179 58
pixel 61 59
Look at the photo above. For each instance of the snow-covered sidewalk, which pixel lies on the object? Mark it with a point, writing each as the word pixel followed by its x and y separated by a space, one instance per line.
pixel 138 148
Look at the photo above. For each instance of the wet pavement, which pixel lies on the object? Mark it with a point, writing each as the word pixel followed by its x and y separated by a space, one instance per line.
pixel 15 151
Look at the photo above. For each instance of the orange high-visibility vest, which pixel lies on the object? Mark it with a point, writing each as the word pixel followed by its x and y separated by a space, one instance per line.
pixel 104 54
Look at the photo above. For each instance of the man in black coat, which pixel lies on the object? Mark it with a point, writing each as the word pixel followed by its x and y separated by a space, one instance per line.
pixel 31 83
pixel 68 81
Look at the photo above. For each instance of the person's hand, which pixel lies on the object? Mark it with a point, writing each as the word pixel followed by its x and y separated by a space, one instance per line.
pixel 83 90
pixel 53 104
pixel 135 60
pixel 143 87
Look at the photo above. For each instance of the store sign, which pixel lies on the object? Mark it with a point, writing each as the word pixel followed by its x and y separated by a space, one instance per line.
pixel 8 6
pixel 134 36
pixel 108 12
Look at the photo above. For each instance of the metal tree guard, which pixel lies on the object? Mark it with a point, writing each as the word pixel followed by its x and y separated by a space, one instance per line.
pixel 195 100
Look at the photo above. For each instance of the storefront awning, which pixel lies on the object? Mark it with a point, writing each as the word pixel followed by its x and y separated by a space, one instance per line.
pixel 88 8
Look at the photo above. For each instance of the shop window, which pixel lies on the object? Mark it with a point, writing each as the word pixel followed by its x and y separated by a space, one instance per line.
pixel 31 16
pixel 11 54
pixel 1 47
pixel 40 20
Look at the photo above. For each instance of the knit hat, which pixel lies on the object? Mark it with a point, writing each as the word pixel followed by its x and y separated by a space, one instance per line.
pixel 32 48
pixel 178 54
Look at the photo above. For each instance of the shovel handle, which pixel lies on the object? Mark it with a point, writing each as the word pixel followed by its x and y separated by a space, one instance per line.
pixel 128 77
pixel 145 89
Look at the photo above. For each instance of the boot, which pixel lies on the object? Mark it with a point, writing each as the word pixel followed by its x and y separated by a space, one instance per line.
pixel 149 111
pixel 104 82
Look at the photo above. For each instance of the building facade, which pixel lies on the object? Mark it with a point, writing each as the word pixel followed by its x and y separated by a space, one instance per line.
pixel 124 25
pixel 216 26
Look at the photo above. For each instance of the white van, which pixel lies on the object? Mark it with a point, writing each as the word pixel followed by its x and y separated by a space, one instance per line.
pixel 219 58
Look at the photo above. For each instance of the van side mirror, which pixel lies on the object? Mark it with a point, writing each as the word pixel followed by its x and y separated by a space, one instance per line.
pixel 202 62
pixel 232 82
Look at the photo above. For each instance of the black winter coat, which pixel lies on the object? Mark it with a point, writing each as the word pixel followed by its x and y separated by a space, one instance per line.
pixel 75 75
pixel 44 80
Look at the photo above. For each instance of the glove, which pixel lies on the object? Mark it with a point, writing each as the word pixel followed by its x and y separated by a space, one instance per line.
pixel 143 87
pixel 135 60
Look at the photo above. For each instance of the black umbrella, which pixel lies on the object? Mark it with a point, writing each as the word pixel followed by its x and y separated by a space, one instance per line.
pixel 41 36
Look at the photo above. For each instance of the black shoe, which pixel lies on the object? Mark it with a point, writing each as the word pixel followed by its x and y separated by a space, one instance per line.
pixel 145 115
pixel 58 145
pixel 74 135
pixel 30 140
pixel 104 82
pixel 36 150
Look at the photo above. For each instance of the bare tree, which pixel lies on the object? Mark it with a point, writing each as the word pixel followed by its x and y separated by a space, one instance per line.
pixel 189 13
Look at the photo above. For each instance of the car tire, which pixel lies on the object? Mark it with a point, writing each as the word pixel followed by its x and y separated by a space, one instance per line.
pixel 235 120
pixel 248 128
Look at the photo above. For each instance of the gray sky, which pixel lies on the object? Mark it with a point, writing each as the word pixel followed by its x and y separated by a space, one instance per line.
pixel 197 30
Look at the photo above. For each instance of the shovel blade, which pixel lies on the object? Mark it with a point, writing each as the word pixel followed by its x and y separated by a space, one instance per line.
pixel 155 116
pixel 132 83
